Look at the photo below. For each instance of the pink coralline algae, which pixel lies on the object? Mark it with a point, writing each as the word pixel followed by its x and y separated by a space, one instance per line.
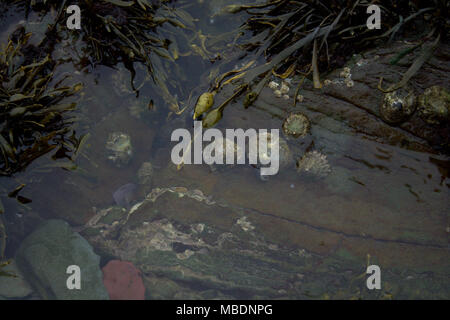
pixel 123 281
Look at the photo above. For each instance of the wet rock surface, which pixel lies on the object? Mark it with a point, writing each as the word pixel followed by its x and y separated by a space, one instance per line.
pixel 200 234
pixel 189 245
pixel 384 197
pixel 358 106
pixel 15 285
pixel 45 255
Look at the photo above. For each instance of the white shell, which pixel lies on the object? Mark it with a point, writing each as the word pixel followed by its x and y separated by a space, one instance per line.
pixel 349 83
pixel 273 85
pixel 277 93
pixel 284 88
pixel 344 74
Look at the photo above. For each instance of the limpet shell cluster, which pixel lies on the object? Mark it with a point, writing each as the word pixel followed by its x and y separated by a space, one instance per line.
pixel 280 90
pixel 345 77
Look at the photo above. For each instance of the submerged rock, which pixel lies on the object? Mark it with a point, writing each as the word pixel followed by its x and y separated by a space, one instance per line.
pixel 224 253
pixel 202 261
pixel 14 286
pixel 45 255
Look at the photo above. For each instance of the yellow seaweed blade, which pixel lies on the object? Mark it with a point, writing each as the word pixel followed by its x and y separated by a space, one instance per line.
pixel 316 77
pixel 204 103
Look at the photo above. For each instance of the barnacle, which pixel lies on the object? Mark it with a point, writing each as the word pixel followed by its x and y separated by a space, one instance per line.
pixel 398 106
pixel 314 163
pixel 296 125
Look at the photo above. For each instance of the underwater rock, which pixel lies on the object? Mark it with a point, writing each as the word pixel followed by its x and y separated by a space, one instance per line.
pixel 189 245
pixel 124 195
pixel 14 286
pixel 45 255
pixel 359 108
pixel 121 81
pixel 119 149
pixel 123 281
pixel 398 106
pixel 314 163
pixel 434 105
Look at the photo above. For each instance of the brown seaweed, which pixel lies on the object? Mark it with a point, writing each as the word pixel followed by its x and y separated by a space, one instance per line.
pixel 34 118
pixel 285 35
